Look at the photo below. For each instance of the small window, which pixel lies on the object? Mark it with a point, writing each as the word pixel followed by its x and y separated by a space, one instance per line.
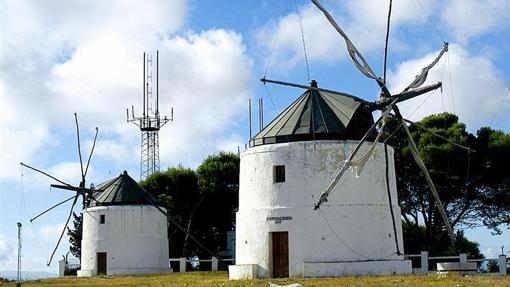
pixel 102 219
pixel 279 173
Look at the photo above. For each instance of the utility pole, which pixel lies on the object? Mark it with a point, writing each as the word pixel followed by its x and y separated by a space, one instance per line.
pixel 150 121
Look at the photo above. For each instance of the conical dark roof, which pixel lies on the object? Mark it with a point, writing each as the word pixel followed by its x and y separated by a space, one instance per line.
pixel 121 190
pixel 317 115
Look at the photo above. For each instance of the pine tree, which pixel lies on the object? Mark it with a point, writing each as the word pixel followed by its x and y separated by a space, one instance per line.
pixel 75 236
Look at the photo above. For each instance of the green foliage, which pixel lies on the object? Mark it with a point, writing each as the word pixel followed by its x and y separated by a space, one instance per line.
pixel 473 186
pixel 492 267
pixel 202 202
pixel 176 189
pixel 3 280
pixel 75 236
pixel 218 179
pixel 415 241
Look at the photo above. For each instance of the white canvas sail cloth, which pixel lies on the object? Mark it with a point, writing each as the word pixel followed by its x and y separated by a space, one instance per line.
pixel 353 51
pixel 422 77
pixel 358 164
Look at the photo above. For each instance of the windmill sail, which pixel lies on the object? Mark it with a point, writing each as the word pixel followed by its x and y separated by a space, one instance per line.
pixel 355 55
pixel 422 77
pixel 421 165
pixel 364 68
pixel 86 193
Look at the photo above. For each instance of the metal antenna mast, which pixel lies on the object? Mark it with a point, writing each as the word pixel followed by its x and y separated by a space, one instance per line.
pixel 18 275
pixel 150 122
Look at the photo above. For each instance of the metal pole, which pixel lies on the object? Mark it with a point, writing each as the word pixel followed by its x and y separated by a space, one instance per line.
pixel 262 112
pixel 249 114
pixel 143 87
pixel 157 84
pixel 18 279
pixel 264 80
pixel 260 117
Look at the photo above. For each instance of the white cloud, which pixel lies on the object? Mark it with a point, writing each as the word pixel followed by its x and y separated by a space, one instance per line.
pixel 39 39
pixel 288 50
pixel 233 143
pixel 37 36
pixel 470 18
pixel 87 59
pixel 367 26
pixel 70 172
pixel 21 144
pixel 363 21
pixel 50 232
pixel 6 250
pixel 119 152
pixel 477 87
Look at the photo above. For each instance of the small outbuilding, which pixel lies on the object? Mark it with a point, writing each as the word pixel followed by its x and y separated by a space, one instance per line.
pixel 283 172
pixel 123 233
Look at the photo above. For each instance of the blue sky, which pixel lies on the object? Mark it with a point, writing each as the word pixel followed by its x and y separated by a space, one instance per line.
pixel 58 58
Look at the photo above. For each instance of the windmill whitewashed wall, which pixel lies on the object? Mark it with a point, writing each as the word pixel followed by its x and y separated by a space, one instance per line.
pixel 122 232
pixel 353 233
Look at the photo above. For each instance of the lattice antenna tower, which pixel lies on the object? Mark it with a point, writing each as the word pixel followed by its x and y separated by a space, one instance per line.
pixel 150 121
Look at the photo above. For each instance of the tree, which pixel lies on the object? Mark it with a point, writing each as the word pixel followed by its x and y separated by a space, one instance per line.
pixel 177 190
pixel 202 202
pixel 473 186
pixel 75 236
pixel 414 242
pixel 218 180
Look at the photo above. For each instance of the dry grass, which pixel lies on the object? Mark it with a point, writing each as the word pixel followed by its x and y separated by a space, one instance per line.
pixel 218 279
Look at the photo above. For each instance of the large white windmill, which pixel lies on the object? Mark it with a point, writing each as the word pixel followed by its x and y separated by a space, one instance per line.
pixel 300 213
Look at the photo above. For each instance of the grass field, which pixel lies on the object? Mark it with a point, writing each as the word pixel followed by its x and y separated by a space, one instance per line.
pixel 191 279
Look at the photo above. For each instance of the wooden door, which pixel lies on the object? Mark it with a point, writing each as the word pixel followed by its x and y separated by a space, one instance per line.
pixel 280 250
pixel 101 263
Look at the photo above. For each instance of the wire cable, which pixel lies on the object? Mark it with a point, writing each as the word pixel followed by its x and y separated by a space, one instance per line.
pixel 467 175
pixel 431 22
pixel 275 39
pixel 442 95
pixel 346 245
pixel 270 98
pixel 303 40
pixel 451 84
pixel 438 135
pixel 41 249
pixel 109 153
pixel 499 107
pixel 388 190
